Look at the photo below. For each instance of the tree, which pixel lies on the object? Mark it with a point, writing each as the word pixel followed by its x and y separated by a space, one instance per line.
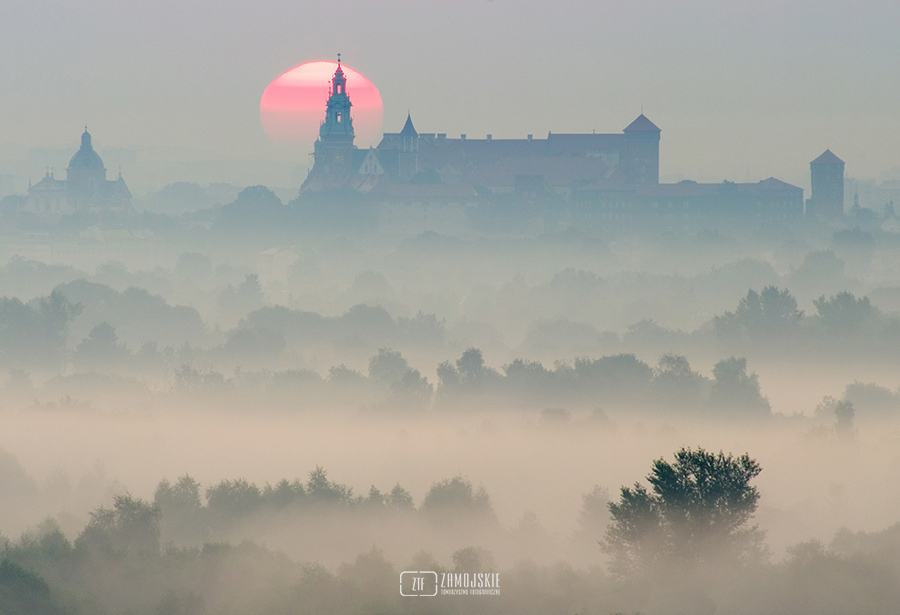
pixel 735 390
pixel 843 412
pixel 23 591
pixel 236 302
pixel 844 313
pixel 101 348
pixel 453 501
pixel 183 516
pixel 131 526
pixel 400 499
pixel 35 333
pixel 387 366
pixel 676 384
pixel 468 376
pixel 593 517
pixel 770 314
pixel 696 512
pixel 255 208
pixel 412 392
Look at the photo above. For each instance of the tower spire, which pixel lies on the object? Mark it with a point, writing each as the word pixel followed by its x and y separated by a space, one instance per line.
pixel 334 147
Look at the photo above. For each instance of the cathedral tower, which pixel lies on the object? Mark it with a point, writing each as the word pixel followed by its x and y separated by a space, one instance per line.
pixel 333 149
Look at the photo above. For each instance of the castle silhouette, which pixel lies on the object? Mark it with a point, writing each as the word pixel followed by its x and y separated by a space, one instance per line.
pixel 602 177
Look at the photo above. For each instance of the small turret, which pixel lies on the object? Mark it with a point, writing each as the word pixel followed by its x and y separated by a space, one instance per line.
pixel 408 158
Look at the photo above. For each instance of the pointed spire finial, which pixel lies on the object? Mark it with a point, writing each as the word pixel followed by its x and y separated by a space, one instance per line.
pixel 339 59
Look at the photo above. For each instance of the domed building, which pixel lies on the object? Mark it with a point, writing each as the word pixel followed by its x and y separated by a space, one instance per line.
pixel 85 188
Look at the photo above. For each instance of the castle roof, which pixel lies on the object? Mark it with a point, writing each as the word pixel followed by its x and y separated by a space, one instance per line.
pixel 408 128
pixel 556 171
pixel 691 189
pixel 775 184
pixel 562 144
pixel 86 159
pixel 827 157
pixel 48 184
pixel 642 124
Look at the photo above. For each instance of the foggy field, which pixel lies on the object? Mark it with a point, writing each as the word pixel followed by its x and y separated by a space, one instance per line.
pixel 813 482
pixel 462 403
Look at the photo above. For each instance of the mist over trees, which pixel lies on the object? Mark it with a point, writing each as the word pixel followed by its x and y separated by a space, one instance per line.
pixel 482 391
pixel 688 538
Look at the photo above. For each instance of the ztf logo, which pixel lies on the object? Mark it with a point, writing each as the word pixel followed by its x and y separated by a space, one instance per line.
pixel 418 583
pixel 428 583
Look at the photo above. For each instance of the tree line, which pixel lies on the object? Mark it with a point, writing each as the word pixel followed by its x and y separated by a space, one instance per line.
pixel 684 542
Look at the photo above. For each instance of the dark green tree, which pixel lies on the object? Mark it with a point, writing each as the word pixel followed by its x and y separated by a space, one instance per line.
pixel 696 512
pixel 23 592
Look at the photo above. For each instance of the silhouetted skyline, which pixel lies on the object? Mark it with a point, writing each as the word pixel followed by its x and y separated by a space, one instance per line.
pixel 745 90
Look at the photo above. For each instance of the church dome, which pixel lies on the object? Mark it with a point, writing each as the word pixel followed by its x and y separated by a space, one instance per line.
pixel 86 159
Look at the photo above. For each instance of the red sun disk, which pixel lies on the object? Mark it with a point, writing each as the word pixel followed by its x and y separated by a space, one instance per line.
pixel 293 106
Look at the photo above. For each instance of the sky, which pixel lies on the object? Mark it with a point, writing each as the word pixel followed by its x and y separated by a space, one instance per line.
pixel 741 90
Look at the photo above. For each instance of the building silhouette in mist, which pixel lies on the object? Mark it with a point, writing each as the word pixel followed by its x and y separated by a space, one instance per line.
pixel 85 188
pixel 827 183
pixel 600 178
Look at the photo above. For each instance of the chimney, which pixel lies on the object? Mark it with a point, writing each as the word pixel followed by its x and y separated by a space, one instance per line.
pixel 489 137
pixel 530 137
pixel 462 137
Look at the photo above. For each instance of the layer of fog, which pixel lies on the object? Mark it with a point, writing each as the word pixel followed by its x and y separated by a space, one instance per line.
pixel 813 483
pixel 85 432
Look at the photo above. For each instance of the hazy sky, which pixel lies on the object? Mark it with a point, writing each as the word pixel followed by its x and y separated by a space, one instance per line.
pixel 741 89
